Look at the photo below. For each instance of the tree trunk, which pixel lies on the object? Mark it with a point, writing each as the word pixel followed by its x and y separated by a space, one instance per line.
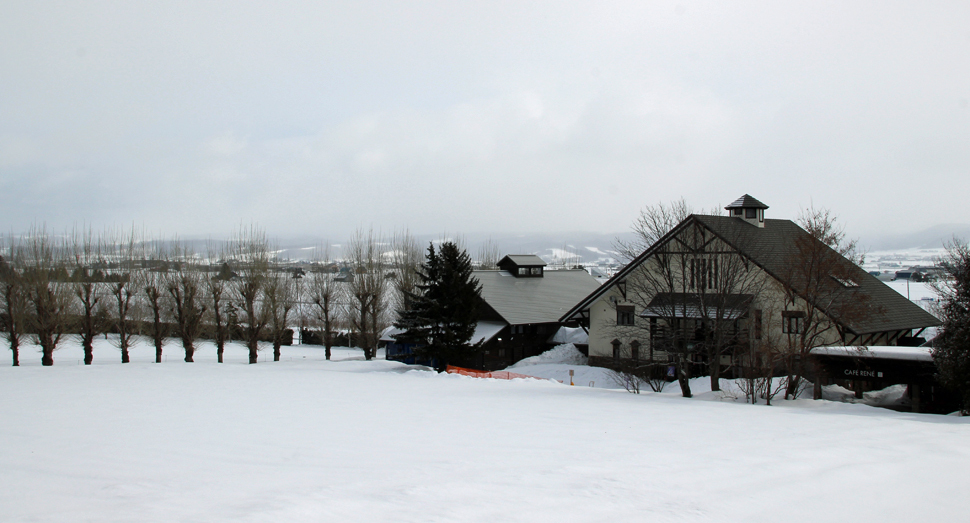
pixel 47 356
pixel 253 351
pixel 685 386
pixel 88 343
pixel 15 348
pixel 683 377
pixel 220 339
pixel 124 342
pixel 189 351
pixel 794 377
pixel 156 333
pixel 276 350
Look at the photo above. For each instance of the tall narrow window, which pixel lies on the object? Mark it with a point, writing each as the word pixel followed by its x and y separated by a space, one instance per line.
pixel 711 274
pixel 703 273
pixel 793 322
pixel 624 315
pixel 635 351
pixel 757 324
pixel 616 351
pixel 693 273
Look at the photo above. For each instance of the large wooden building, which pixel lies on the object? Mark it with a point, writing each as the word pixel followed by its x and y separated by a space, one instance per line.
pixel 759 280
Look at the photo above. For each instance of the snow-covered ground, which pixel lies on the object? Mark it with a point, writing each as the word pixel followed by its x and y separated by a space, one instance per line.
pixel 915 291
pixel 350 440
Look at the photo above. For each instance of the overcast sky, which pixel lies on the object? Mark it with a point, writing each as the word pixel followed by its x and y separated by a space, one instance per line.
pixel 320 117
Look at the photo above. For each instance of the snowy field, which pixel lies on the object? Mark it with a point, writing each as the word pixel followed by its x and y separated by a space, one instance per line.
pixel 349 440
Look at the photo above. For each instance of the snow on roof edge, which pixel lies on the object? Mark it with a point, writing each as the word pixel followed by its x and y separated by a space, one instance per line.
pixel 881 352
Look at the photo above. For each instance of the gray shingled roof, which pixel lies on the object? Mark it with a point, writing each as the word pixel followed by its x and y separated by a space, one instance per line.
pixel 773 247
pixel 746 201
pixel 534 300
pixel 524 260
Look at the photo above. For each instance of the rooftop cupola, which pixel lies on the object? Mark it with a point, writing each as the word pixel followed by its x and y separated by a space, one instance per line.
pixel 748 209
pixel 522 265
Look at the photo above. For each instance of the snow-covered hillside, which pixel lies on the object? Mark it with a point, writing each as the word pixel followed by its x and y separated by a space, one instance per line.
pixel 349 440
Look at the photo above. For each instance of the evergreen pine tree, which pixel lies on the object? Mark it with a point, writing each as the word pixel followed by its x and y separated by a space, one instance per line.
pixel 951 351
pixel 443 313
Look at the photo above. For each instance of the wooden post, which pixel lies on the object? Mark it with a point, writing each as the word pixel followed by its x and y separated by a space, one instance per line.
pixel 914 387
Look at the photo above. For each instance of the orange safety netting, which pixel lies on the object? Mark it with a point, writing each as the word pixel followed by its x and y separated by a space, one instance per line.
pixel 499 374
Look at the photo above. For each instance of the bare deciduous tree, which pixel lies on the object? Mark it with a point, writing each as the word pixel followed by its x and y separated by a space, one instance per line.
pixel 634 377
pixel 653 223
pixel 155 276
pixel 185 288
pixel 765 353
pixel 819 284
pixel 249 252
pixel 368 290
pixel 280 298
pixel 124 286
pixel 822 224
pixel 13 297
pixel 694 289
pixel 663 275
pixel 406 259
pixel 489 255
pixel 85 254
pixel 48 290
pixel 325 293
pixel 215 286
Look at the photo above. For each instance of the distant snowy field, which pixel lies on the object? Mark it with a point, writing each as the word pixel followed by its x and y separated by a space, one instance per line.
pixel 349 440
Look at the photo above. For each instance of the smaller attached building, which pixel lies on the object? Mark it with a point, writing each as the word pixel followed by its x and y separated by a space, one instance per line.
pixel 519 312
pixel 874 368
pixel 529 300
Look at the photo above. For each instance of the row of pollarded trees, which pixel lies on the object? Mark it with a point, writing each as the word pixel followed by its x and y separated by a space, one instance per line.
pixel 82 284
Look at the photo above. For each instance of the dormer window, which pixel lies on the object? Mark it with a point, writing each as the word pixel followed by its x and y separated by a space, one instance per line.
pixel 522 265
pixel 845 281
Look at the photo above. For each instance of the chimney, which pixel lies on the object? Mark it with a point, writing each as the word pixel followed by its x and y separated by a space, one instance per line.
pixel 748 209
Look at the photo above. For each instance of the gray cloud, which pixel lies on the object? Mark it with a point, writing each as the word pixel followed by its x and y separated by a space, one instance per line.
pixel 491 116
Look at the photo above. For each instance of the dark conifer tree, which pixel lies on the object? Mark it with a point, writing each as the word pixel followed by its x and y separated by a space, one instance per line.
pixel 443 313
pixel 951 349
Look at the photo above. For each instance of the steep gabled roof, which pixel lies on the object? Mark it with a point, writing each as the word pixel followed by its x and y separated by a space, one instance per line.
pixel 773 248
pixel 534 300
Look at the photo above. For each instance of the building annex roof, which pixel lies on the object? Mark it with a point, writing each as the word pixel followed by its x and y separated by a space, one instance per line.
pixel 523 301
